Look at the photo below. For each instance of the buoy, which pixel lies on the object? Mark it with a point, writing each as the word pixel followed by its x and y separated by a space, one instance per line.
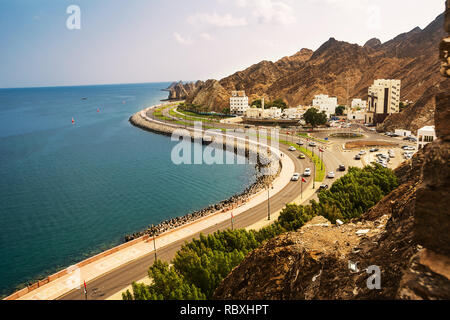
pixel 73 121
pixel 98 110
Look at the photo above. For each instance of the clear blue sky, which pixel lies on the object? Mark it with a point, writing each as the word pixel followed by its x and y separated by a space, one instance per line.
pixel 126 41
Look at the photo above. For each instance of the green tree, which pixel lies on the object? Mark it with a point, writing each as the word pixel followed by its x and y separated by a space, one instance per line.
pixel 340 110
pixel 279 103
pixel 314 118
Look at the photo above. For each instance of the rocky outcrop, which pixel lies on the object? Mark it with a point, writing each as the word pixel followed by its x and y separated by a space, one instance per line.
pixel 211 95
pixel 180 90
pixel 406 235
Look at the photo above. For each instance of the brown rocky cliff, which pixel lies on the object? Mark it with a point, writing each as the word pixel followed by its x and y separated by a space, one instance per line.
pixel 409 238
pixel 345 70
pixel 180 90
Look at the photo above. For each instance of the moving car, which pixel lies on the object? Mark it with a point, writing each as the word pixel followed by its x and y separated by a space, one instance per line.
pixel 362 152
pixel 323 187
pixel 374 150
pixel 341 167
pixel 300 143
pixel 408 148
pixel 292 149
pixel 302 156
pixel 295 177
pixel 331 175
pixel 357 157
pixel 307 172
pixel 312 144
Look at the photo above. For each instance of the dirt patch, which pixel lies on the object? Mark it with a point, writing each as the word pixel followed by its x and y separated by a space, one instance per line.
pixel 365 144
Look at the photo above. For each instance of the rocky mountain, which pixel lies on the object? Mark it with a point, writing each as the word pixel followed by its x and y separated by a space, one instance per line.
pixel 406 234
pixel 341 69
pixel 180 90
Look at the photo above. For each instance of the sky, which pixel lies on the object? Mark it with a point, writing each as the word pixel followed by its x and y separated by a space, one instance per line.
pixel 136 41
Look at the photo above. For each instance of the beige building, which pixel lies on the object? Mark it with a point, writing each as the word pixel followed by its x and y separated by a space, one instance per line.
pixel 425 136
pixel 383 100
pixel 238 102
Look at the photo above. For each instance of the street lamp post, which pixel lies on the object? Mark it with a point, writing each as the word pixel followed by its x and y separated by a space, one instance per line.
pixel 268 202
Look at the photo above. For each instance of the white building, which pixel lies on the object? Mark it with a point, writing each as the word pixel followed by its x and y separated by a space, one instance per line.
pixel 403 133
pixel 356 115
pixel 325 104
pixel 425 136
pixel 273 113
pixel 238 102
pixel 359 104
pixel 294 113
pixel 384 99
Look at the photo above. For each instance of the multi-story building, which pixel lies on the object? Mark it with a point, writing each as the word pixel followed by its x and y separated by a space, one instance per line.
pixel 359 104
pixel 238 102
pixel 325 104
pixel 425 136
pixel 384 99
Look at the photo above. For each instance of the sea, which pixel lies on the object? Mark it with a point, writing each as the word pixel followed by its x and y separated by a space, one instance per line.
pixel 69 190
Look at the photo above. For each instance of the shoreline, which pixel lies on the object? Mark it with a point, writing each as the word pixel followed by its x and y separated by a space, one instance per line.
pixel 60 283
pixel 224 205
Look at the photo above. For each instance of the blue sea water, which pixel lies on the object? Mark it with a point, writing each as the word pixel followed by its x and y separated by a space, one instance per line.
pixel 69 191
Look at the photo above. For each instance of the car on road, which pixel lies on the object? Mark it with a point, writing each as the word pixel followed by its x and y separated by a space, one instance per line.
pixel 341 167
pixel 374 150
pixel 292 149
pixel 302 156
pixel 247 127
pixel 300 143
pixel 357 157
pixel 307 172
pixel 362 152
pixel 408 148
pixel 295 177
pixel 331 175
pixel 323 187
pixel 312 144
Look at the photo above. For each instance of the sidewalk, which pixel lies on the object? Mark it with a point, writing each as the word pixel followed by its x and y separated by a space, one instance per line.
pixel 90 271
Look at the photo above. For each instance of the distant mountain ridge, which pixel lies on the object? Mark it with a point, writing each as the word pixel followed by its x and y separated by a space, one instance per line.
pixel 340 69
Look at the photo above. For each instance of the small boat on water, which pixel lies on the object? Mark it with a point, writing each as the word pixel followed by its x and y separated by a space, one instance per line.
pixel 73 120
pixel 84 98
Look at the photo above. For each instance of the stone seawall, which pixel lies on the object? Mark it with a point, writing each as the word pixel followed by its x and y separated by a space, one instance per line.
pixel 265 161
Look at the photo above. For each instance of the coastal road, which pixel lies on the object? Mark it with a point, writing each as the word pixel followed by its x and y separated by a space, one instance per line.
pixel 112 282
pixel 121 277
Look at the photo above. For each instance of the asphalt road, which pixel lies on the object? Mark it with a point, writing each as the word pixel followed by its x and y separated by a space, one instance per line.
pixel 112 282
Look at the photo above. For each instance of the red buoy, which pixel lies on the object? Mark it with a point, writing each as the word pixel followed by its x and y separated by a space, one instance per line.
pixel 98 110
pixel 73 121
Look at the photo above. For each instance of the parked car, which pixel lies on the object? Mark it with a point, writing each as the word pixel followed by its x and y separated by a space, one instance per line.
pixel 300 143
pixel 374 150
pixel 307 172
pixel 409 148
pixel 312 144
pixel 292 148
pixel 357 157
pixel 341 167
pixel 302 156
pixel 331 175
pixel 295 177
pixel 362 152
pixel 323 187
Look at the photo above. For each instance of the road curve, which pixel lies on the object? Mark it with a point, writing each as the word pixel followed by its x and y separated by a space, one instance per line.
pixel 119 278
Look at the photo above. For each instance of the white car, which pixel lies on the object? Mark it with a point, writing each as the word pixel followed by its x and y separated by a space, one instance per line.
pixel 307 172
pixel 292 149
pixel 295 177
pixel 362 152
pixel 331 175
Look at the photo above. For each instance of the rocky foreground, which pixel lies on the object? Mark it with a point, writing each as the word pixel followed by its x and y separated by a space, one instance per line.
pixel 406 235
